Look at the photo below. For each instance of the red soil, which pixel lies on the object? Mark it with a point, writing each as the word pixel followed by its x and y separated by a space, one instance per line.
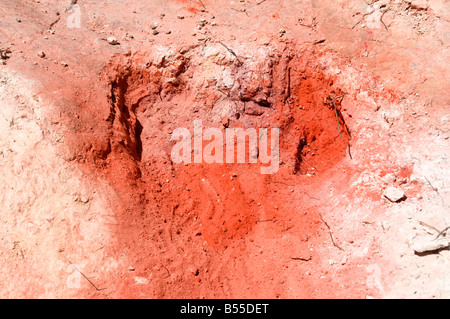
pixel 222 230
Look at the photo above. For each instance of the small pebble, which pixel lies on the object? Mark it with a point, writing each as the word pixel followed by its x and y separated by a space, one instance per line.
pixel 394 194
pixel 155 32
pixel 84 199
pixel 423 245
pixel 41 54
pixel 112 40
pixel 180 17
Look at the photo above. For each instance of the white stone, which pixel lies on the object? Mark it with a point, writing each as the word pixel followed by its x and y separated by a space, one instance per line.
pixel 393 194
pixel 112 40
pixel 427 245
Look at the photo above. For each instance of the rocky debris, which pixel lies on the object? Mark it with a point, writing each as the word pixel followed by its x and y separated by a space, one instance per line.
pixel 180 17
pixel 112 40
pixel 141 280
pixel 389 178
pixel 394 194
pixel 4 54
pixel 194 270
pixel 251 108
pixel 84 199
pixel 41 54
pixel 423 245
pixel 81 199
pixel 255 82
pixel 420 5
